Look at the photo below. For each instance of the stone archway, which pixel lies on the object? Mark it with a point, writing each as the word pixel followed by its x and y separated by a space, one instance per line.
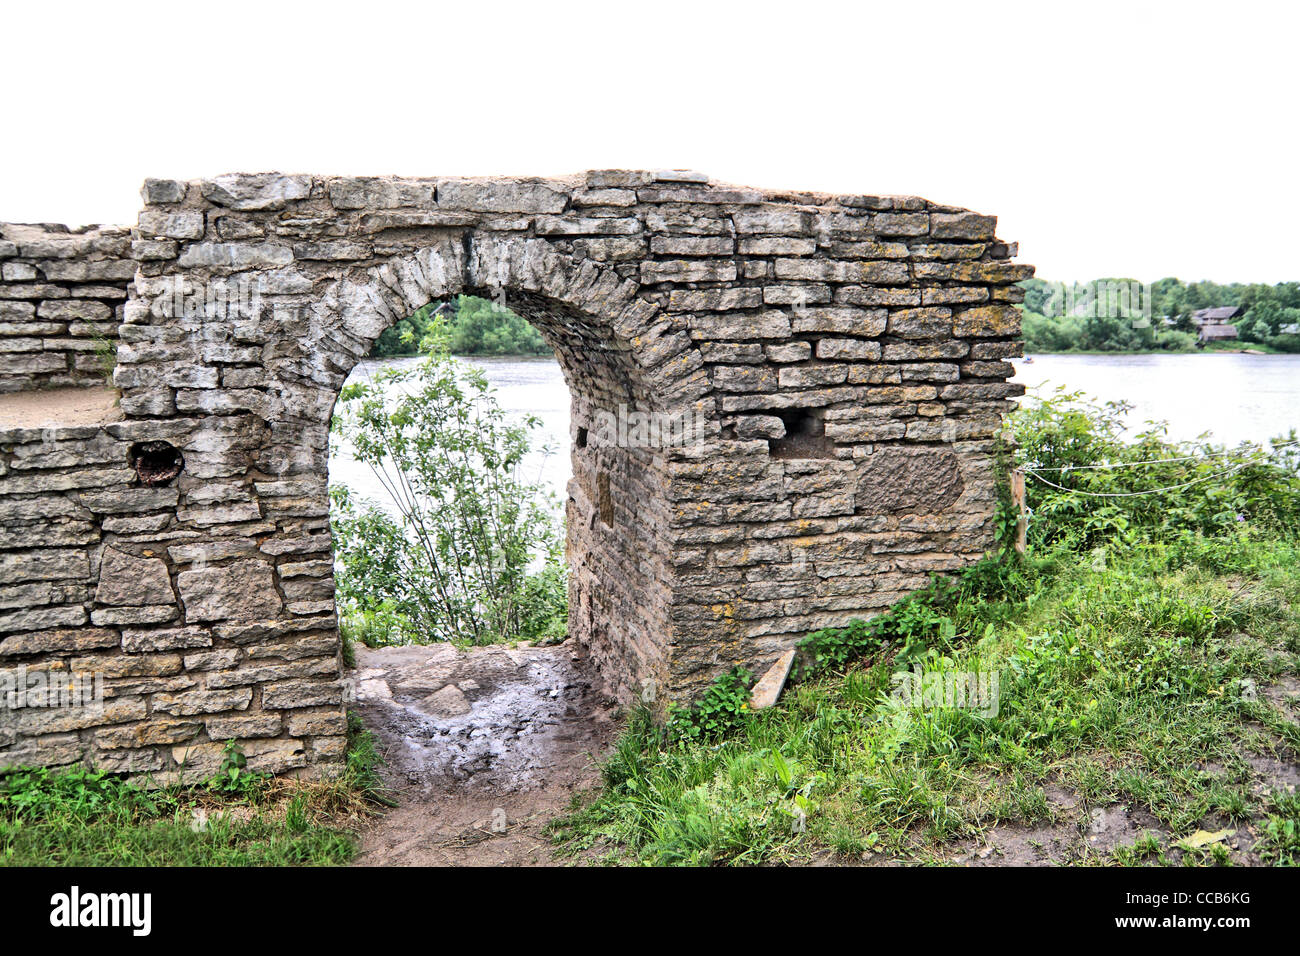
pixel 618 547
pixel 844 354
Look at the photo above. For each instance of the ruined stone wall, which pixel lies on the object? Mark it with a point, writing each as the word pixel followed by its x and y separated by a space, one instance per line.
pixel 61 298
pixel 845 356
pixel 92 563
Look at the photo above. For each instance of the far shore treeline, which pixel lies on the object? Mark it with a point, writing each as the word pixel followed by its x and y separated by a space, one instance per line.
pixel 475 327
pixel 1270 321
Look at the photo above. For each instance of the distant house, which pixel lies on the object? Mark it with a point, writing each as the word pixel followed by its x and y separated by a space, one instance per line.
pixel 1219 315
pixel 1212 324
pixel 1216 333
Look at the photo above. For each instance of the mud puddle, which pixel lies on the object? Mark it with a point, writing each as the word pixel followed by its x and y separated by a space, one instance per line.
pixel 483 747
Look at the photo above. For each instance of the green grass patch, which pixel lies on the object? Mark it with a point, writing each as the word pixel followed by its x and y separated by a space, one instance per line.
pixel 1130 646
pixel 1126 684
pixel 80 817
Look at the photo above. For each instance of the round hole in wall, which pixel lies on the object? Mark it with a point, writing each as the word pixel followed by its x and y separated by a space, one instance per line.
pixel 156 463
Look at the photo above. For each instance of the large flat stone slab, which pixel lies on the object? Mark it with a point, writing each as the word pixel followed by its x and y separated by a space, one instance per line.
pixel 55 407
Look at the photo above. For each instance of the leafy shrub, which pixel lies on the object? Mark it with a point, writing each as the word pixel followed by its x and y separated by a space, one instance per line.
pixel 1089 485
pixel 457 562
pixel 719 712
pixel 906 629
pixel 234 779
pixel 544 601
pixel 405 336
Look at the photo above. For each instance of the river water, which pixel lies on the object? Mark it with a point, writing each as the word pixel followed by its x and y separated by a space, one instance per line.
pixel 1233 397
pixel 522 386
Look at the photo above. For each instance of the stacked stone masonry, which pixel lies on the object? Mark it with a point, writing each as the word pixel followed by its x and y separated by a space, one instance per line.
pixel 62 294
pixel 846 354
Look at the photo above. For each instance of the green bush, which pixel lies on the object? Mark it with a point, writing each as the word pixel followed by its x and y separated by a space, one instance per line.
pixel 458 563
pixel 1088 484
pixel 720 710
pixel 406 335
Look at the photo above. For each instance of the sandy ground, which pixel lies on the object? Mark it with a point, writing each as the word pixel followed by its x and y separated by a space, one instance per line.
pixel 58 407
pixel 483 748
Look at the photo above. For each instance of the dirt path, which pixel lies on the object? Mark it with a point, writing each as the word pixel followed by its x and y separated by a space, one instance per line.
pixel 482 747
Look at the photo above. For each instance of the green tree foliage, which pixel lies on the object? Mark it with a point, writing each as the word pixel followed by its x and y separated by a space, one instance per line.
pixel 405 337
pixel 482 327
pixel 458 563
pixel 1272 313
pixel 474 327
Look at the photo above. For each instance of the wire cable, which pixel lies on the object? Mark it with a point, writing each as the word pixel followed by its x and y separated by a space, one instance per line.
pixel 1255 459
pixel 1161 461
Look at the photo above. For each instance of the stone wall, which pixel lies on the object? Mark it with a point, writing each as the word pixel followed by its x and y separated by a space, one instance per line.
pixel 845 356
pixel 61 298
pixel 92 562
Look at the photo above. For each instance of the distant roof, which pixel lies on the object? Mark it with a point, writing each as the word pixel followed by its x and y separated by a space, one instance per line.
pixel 1220 313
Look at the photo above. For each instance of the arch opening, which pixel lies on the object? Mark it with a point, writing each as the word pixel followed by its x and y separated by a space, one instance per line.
pixel 617 549
pixel 477 720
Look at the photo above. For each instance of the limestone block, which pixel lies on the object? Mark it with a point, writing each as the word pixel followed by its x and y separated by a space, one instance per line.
pixel 241 591
pixel 500 196
pixel 255 191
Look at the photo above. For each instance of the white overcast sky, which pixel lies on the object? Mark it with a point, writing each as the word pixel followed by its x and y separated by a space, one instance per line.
pixel 1125 139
